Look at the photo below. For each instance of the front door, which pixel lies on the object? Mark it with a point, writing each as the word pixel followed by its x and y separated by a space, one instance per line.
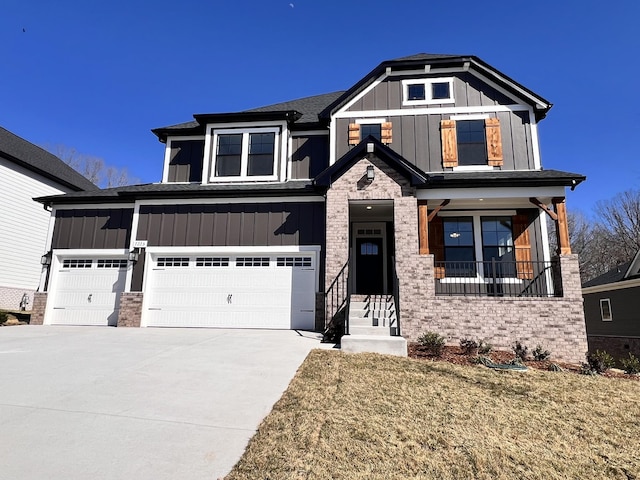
pixel 369 265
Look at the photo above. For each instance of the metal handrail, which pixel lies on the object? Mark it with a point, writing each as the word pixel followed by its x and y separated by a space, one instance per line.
pixel 497 278
pixel 337 297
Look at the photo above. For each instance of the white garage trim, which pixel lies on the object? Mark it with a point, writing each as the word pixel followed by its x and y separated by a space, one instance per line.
pixel 233 287
pixel 85 286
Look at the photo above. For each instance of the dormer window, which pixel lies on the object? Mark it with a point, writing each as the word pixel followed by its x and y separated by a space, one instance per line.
pixel 245 154
pixel 425 91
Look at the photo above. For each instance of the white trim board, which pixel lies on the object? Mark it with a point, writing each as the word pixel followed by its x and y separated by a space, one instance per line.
pixel 608 287
pixel 496 192
pixel 399 112
pixel 234 200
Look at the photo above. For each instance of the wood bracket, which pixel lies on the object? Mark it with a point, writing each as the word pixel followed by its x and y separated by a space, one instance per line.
pixel 435 211
pixel 542 206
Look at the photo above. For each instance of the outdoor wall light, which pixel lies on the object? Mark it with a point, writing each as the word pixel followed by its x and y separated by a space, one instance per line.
pixel 371 173
pixel 133 255
pixel 46 259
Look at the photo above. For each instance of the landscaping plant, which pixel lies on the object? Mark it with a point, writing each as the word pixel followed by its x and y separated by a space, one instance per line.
pixel 598 362
pixel 631 365
pixel 432 342
pixel 540 353
pixel 521 351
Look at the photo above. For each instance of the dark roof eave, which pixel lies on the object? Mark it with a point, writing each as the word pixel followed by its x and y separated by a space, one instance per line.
pixel 440 181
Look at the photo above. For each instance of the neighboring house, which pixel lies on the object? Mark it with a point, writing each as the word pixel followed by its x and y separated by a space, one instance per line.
pixel 418 193
pixel 612 310
pixel 27 171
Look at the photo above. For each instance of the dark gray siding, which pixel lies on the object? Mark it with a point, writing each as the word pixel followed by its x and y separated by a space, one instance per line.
pixel 417 138
pixel 93 228
pixel 310 156
pixel 625 311
pixel 185 163
pixel 468 90
pixel 262 224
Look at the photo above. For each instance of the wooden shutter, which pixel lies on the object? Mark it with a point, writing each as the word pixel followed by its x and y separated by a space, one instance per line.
pixel 436 244
pixel 522 244
pixel 385 133
pixel 449 143
pixel 354 134
pixel 494 142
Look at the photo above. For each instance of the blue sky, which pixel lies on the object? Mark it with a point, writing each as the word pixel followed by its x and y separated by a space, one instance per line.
pixel 99 76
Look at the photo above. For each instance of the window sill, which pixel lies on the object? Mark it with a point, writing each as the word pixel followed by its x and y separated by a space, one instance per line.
pixel 473 168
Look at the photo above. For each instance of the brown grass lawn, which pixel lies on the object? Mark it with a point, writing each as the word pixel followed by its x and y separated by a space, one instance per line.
pixel 368 416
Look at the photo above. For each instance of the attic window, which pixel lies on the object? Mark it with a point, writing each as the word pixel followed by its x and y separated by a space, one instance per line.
pixel 605 310
pixel 426 91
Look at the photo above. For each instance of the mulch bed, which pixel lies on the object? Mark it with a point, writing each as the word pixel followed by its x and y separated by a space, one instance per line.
pixel 455 354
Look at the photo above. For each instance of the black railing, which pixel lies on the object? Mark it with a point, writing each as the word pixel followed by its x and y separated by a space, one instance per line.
pixel 396 297
pixel 497 278
pixel 336 301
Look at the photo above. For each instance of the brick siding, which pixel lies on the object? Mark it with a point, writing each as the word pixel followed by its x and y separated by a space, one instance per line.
pixel 38 308
pixel 555 323
pixel 617 347
pixel 130 309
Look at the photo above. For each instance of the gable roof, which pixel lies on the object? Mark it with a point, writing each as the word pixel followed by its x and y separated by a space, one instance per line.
pixel 625 271
pixel 381 151
pixel 38 160
pixel 470 62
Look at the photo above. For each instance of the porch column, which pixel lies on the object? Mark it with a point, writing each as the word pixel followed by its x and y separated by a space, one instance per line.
pixel 562 226
pixel 423 228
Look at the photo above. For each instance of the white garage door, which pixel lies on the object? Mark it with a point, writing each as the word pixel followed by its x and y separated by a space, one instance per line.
pixel 232 291
pixel 86 291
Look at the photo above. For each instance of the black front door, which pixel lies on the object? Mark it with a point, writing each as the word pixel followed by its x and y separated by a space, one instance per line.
pixel 369 266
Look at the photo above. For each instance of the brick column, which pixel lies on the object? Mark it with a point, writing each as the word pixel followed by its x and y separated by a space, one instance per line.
pixel 38 308
pixel 130 309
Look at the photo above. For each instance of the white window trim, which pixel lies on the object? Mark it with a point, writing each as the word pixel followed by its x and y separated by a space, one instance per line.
pixel 427 82
pixel 370 121
pixel 477 242
pixel 167 154
pixel 608 302
pixel 244 159
pixel 471 168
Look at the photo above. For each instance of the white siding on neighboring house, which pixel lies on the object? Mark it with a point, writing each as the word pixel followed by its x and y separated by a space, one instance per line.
pixel 23 231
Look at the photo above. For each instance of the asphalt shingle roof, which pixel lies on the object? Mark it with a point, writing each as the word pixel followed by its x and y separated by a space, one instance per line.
pixel 40 161
pixel 309 107
pixel 614 275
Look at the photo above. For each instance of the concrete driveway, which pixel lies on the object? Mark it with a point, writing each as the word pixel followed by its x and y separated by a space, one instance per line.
pixel 118 403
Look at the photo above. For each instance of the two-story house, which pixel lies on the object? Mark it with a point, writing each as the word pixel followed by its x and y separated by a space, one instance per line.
pixel 418 193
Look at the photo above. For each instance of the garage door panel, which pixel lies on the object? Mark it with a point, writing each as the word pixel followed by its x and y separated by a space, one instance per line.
pixel 88 295
pixel 248 292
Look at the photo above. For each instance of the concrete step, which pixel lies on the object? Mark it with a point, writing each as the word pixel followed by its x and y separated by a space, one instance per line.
pixel 371 305
pixel 369 330
pixel 375 344
pixel 372 322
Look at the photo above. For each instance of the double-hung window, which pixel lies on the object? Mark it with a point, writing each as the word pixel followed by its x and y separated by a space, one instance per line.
pixel 250 154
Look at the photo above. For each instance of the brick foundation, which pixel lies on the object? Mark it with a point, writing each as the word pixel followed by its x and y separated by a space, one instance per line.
pixel 130 309
pixel 38 308
pixel 617 347
pixel 555 323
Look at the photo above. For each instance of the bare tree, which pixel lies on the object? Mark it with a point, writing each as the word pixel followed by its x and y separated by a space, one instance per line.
pixel 93 168
pixel 620 217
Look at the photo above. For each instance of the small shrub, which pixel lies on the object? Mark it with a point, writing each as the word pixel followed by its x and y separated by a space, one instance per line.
pixel 4 316
pixel 521 351
pixel 468 345
pixel 600 361
pixel 432 342
pixel 631 365
pixel 484 348
pixel 540 353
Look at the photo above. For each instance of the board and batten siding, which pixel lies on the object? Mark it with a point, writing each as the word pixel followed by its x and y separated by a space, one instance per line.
pixel 309 156
pixel 468 91
pixel 88 228
pixel 259 224
pixel 418 139
pixel 185 160
pixel 24 226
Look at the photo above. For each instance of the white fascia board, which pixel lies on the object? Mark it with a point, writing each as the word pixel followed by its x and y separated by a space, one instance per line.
pixel 246 125
pixel 370 121
pixel 305 133
pixel 476 213
pixel 94 206
pixel 233 249
pixel 332 142
pixel 399 112
pixel 360 95
pixel 90 252
pixel 234 200
pixel 608 287
pixel 494 192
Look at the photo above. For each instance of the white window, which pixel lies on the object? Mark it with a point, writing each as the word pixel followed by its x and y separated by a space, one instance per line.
pixel 422 91
pixel 212 261
pixel 245 154
pixel 173 261
pixel 77 263
pixel 252 262
pixel 605 310
pixel 112 263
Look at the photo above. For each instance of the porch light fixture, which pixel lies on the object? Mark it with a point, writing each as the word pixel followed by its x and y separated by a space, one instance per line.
pixel 369 207
pixel 133 255
pixel 454 235
pixel 371 173
pixel 46 259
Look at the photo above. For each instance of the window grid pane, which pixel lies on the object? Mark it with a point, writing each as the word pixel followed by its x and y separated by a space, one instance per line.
pixel 416 92
pixel 112 263
pixel 229 155
pixel 252 262
pixel 472 144
pixel 212 261
pixel 373 129
pixel 77 263
pixel 293 261
pixel 261 154
pixel 173 261
pixel 440 91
